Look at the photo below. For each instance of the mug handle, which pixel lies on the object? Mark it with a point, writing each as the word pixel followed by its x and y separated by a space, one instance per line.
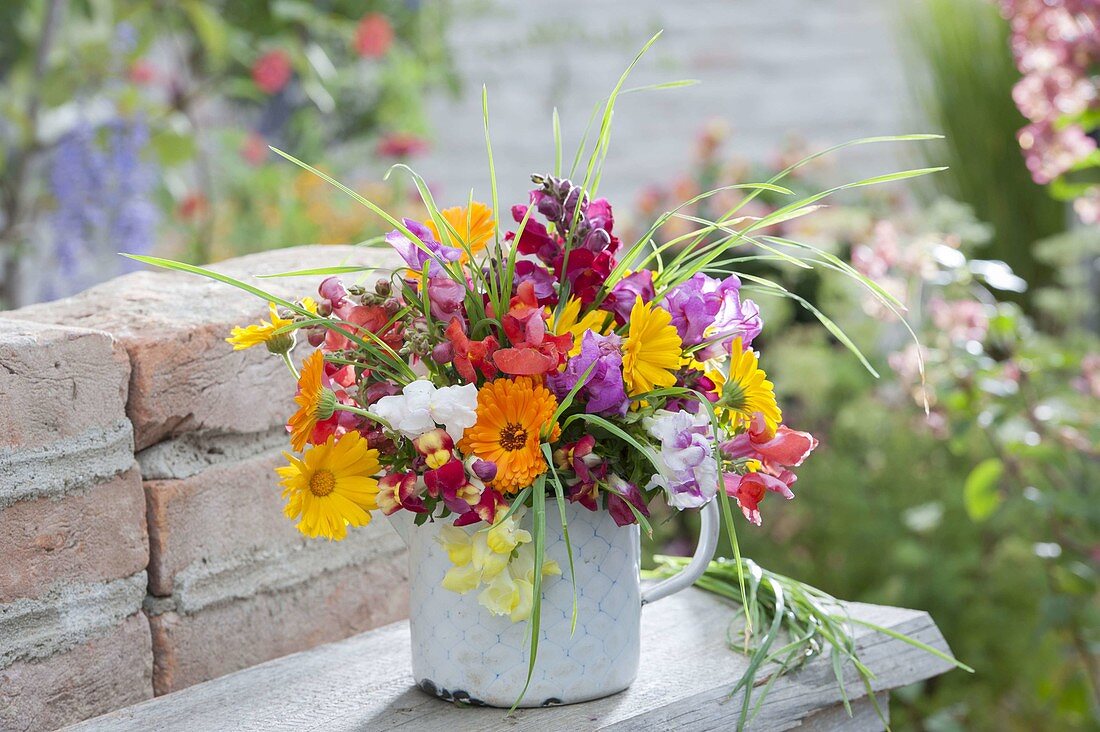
pixel 704 551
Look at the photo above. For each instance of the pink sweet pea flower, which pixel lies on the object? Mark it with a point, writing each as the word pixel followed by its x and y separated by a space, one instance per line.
pixel 786 448
pixel 749 491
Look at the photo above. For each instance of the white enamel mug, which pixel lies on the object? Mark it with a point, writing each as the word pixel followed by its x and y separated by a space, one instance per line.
pixel 463 653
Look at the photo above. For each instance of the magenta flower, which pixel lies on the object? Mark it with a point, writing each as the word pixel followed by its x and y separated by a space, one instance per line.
pixel 603 391
pixel 445 297
pixel 626 291
pixel 620 493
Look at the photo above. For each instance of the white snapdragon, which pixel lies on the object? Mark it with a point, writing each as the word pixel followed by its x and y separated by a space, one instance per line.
pixel 690 475
pixel 421 406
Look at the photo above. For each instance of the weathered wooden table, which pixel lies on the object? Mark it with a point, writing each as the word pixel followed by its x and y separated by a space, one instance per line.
pixel 363 684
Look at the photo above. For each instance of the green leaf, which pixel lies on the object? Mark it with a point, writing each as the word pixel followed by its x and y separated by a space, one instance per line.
pixel 980 495
pixel 538 532
pixel 172 148
pixel 342 269
pixel 210 29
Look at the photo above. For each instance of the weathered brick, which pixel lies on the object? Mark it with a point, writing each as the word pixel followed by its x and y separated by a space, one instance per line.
pixel 189 648
pixel 105 673
pixel 62 409
pixel 222 533
pixel 93 533
pixel 184 376
pixel 58 382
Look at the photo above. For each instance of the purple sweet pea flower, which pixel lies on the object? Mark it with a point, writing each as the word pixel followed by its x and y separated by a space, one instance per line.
pixel 735 318
pixel 619 495
pixel 705 309
pixel 603 391
pixel 693 305
pixel 690 474
pixel 446 297
pixel 416 256
pixel 626 291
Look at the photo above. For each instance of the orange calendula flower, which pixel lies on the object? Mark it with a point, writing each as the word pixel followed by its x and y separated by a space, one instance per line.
pixel 511 418
pixel 331 487
pixel 652 351
pixel 474 225
pixel 316 402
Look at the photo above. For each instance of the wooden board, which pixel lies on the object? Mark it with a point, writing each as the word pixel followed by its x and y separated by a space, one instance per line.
pixel 363 683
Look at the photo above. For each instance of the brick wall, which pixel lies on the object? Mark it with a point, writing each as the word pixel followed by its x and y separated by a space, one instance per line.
pixel 141 528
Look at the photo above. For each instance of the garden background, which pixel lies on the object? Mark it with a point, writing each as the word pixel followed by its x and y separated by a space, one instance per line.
pixel 143 127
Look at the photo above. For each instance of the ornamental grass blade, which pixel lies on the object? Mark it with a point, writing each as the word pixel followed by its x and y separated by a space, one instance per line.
pixel 337 270
pixel 538 531
pixel 559 495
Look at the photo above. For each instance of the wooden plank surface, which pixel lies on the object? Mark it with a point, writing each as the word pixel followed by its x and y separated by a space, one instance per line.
pixel 363 684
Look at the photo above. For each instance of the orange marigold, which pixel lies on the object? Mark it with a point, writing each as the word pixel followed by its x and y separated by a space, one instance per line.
pixel 474 225
pixel 512 417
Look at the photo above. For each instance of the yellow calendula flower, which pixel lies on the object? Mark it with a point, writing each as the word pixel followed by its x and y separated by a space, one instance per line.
pixel 570 321
pixel 332 486
pixel 746 390
pixel 263 333
pixel 652 350
pixel 474 225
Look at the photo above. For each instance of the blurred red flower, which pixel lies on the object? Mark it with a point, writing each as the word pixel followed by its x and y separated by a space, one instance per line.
pixel 271 72
pixel 373 36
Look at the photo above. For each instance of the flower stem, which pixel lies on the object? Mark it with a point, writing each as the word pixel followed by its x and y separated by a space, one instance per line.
pixel 290 365
pixel 364 413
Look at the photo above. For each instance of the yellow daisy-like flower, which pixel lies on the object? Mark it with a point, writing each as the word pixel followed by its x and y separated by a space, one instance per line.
pixel 511 416
pixel 263 333
pixel 474 225
pixel 315 401
pixel 746 390
pixel 331 487
pixel 652 351
pixel 570 321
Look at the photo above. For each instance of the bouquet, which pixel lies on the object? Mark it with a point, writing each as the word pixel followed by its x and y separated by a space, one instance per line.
pixel 507 366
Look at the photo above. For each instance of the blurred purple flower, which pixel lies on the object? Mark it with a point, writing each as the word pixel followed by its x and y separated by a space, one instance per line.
pixel 102 187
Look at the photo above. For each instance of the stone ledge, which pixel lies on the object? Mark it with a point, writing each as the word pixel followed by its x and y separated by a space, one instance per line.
pixel 191 453
pixel 274 569
pixel 687 672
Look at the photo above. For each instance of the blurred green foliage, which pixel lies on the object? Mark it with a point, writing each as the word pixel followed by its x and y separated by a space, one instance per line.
pixel 961 73
pixel 986 510
pixel 212 83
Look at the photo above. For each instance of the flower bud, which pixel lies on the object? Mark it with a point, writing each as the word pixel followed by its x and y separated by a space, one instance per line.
pixel 443 352
pixel 332 289
pixel 486 470
pixel 383 288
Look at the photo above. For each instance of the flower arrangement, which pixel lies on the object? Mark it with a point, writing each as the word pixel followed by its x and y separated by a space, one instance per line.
pixel 502 368
pixel 494 366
